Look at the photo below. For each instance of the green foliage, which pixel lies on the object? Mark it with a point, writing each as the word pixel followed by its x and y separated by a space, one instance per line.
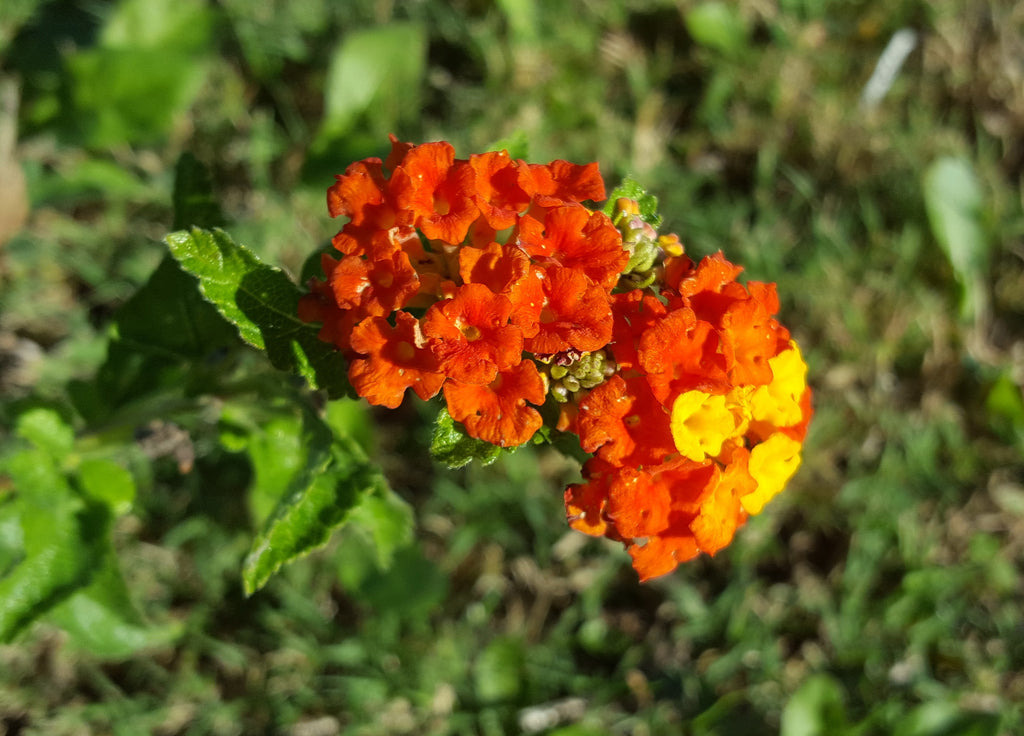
pixel 145 445
pixel 955 205
pixel 262 302
pixel 632 189
pixel 456 449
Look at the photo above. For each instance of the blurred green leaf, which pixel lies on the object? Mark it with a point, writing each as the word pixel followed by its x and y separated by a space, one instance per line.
pixel 63 541
pixel 194 202
pixel 389 521
pixel 955 203
pixel 45 429
pixel 374 71
pixel 815 709
pixel 943 718
pixel 717 25
pixel 1005 406
pixel 317 502
pixel 107 482
pixel 453 447
pixel 498 671
pixel 182 24
pixel 517 144
pixel 165 328
pixel 102 619
pixel 262 302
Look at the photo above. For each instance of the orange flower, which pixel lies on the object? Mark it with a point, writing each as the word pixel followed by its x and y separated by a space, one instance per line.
pixel 721 513
pixel 503 188
pixel 681 352
pixel 621 421
pixel 505 269
pixel 471 336
pixel 497 412
pixel 374 287
pixel 561 181
pixel 575 237
pixel 437 190
pixel 633 312
pixel 637 504
pixel 576 314
pixel 394 361
pixel 661 555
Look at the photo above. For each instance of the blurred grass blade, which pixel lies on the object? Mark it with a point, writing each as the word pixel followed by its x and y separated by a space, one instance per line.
pixel 954 201
pixel 262 302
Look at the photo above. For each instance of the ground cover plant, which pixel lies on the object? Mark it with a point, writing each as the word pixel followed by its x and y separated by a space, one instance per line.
pixel 880 593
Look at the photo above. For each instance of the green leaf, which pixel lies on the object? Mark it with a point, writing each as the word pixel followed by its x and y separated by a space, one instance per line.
pixel 108 483
pixel 718 26
pixel 311 511
pixel 955 204
pixel 165 328
pixel 631 189
pixel 498 673
pixel 943 718
pixel 63 542
pixel 102 619
pixel 453 447
pixel 262 302
pixel 517 144
pixel 389 521
pixel 816 709
pixel 375 71
pixel 47 431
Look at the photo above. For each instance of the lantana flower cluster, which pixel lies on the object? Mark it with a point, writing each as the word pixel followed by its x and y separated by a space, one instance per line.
pixel 490 281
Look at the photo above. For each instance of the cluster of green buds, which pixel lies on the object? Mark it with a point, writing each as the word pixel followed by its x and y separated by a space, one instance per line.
pixel 572 371
pixel 645 247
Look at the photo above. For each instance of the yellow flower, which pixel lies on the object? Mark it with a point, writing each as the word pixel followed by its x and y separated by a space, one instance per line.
pixel 701 423
pixel 778 403
pixel 772 464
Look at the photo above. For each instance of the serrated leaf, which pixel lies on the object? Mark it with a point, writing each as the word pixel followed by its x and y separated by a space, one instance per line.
pixel 306 517
pixel 63 541
pixel 262 302
pixel 954 201
pixel 102 619
pixel 453 447
pixel 631 189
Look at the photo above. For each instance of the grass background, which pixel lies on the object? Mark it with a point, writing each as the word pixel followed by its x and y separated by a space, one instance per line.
pixel 880 594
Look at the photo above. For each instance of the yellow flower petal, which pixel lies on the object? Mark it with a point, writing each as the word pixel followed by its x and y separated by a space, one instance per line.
pixel 778 403
pixel 701 423
pixel 772 464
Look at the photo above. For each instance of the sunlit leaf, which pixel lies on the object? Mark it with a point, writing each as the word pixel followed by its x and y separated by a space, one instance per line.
pixel 317 503
pixel 262 302
pixel 45 429
pixel 63 541
pixel 453 447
